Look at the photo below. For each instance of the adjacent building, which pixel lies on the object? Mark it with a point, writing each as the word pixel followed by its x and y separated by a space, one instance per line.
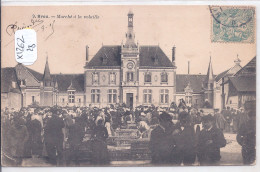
pixel 220 91
pixel 194 89
pixel 11 95
pixel 241 87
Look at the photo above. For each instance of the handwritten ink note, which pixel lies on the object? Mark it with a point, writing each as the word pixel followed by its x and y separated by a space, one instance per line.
pixel 25 46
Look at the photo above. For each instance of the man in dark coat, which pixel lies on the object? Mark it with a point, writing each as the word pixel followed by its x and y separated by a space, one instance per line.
pixel 75 137
pixel 35 139
pixel 54 138
pixel 211 139
pixel 246 137
pixel 185 140
pixel 161 142
pixel 18 136
pixel 99 154
pixel 228 118
pixel 220 120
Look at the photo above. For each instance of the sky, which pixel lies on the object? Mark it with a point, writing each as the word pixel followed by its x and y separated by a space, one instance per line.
pixel 64 40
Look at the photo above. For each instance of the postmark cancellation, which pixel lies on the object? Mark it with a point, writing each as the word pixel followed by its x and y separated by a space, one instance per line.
pixel 232 24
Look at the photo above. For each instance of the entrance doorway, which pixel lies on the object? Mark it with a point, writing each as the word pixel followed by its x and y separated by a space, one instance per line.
pixel 129 100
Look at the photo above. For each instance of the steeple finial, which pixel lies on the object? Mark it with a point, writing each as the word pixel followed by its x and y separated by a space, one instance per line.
pixel 237 61
pixel 209 77
pixel 47 74
pixel 46 56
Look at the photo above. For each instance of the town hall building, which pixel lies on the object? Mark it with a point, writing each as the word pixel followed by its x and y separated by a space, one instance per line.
pixel 130 73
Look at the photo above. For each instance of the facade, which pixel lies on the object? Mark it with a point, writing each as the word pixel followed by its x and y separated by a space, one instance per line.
pixel 10 91
pixel 70 89
pixel 220 92
pixel 130 73
pixel 237 87
pixel 195 90
pixel 23 87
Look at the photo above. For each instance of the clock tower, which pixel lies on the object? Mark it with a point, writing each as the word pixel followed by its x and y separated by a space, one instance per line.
pixel 130 66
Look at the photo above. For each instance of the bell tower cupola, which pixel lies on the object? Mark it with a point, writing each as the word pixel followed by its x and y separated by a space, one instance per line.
pixel 130 35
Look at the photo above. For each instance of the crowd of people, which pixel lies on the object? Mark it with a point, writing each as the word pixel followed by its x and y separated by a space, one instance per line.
pixel 178 134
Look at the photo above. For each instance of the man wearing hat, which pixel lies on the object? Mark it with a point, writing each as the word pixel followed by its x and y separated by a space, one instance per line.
pixel 220 120
pixel 161 141
pixel 54 138
pixel 246 137
pixel 185 140
pixel 211 139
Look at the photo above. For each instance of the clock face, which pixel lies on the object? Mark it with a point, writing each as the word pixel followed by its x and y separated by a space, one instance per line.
pixel 130 65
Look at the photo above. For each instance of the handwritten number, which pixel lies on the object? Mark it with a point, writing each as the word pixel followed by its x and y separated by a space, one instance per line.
pixel 19 39
pixel 31 47
pixel 19 56
pixel 20 49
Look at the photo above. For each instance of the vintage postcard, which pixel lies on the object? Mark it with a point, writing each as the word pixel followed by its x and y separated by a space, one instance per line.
pixel 125 85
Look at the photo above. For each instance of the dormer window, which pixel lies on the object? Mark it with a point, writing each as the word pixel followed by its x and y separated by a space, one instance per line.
pixel 71 96
pixel 104 60
pixel 155 60
pixel 22 82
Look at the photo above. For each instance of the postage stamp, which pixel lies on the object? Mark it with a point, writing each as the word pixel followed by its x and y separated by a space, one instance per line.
pixel 232 24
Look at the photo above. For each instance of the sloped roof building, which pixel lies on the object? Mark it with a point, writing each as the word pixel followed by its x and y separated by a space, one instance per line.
pixel 130 73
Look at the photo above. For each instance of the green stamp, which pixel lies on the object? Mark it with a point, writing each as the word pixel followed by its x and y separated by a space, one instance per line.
pixel 233 24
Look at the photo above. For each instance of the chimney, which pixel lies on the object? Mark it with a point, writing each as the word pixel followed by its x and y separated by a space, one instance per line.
pixel 188 67
pixel 87 53
pixel 173 54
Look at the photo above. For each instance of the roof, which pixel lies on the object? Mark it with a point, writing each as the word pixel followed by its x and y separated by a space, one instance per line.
pixel 37 75
pixel 8 75
pixel 248 69
pixel 221 75
pixel 147 56
pixel 71 87
pixel 47 73
pixel 65 80
pixel 244 83
pixel 112 53
pixel 196 82
pixel 210 76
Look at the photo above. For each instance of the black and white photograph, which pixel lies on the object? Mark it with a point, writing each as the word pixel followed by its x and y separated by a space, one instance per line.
pixel 128 86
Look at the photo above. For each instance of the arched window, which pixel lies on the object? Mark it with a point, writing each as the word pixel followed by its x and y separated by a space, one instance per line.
pixel 164 77
pixel 130 76
pixel 95 78
pixel 148 77
pixel 112 78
